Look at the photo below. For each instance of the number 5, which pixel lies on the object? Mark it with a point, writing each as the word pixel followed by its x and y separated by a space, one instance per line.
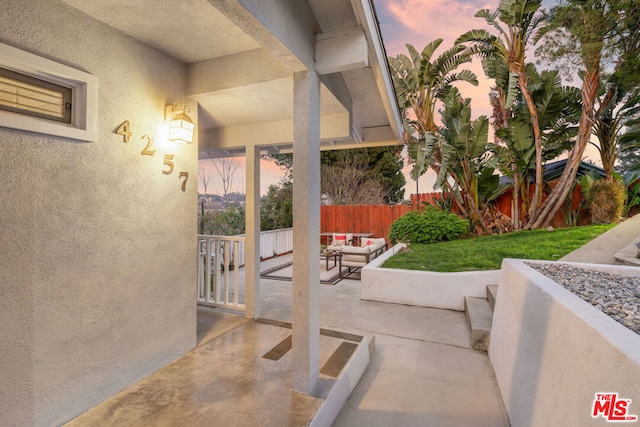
pixel 169 163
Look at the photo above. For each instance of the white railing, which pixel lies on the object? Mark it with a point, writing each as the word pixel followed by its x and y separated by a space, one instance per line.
pixel 276 242
pixel 218 271
pixel 219 262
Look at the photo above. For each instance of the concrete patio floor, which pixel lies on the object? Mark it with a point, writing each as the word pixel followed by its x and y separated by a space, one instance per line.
pixel 422 371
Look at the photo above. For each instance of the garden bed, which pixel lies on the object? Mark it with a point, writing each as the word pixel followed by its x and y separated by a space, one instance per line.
pixel 422 288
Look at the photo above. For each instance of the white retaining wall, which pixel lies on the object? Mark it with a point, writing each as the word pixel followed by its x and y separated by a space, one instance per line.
pixel 422 288
pixel 552 352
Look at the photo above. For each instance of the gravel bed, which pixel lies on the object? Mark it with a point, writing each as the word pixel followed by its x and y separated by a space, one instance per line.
pixel 615 295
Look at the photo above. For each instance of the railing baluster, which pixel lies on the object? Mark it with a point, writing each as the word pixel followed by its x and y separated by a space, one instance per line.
pixel 236 282
pixel 227 265
pixel 217 253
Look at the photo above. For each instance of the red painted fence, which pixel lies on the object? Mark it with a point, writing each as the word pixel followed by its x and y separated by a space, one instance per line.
pixel 377 219
pixel 361 219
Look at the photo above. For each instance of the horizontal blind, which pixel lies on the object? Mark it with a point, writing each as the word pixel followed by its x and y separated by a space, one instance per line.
pixel 33 97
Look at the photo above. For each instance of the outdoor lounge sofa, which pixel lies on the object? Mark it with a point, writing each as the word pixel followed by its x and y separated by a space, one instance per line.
pixel 356 257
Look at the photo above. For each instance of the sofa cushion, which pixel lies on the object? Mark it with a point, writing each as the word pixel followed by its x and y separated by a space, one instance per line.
pixel 356 254
pixel 372 242
pixel 357 250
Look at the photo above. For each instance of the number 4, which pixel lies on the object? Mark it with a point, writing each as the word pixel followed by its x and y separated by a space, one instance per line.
pixel 124 130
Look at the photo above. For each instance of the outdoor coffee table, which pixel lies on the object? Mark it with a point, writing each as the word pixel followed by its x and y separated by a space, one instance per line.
pixel 327 256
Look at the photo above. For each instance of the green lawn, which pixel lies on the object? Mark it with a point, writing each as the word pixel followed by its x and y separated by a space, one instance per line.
pixel 487 252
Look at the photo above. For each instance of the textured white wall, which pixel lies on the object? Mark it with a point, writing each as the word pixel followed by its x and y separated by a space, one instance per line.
pixel 97 270
pixel 423 288
pixel 552 352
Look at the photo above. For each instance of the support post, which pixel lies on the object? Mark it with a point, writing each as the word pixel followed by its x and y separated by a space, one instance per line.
pixel 252 233
pixel 306 232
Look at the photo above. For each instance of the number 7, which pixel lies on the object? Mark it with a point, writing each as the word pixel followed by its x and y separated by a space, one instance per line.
pixel 184 175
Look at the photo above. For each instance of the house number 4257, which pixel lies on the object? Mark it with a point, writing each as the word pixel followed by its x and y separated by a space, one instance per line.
pixel 168 166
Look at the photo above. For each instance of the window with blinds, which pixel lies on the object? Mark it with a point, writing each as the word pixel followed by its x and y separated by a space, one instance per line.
pixel 30 96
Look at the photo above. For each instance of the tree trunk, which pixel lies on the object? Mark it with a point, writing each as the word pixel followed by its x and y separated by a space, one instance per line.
pixel 523 81
pixel 516 198
pixel 553 203
pixel 476 211
pixel 607 133
pixel 459 205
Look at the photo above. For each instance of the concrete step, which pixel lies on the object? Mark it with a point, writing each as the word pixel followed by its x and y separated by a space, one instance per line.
pixel 479 317
pixel 492 293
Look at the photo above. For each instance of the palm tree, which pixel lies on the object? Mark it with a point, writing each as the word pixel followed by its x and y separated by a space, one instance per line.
pixel 583 32
pixel 419 84
pixel 629 153
pixel 464 148
pixel 622 108
pixel 558 108
pixel 516 22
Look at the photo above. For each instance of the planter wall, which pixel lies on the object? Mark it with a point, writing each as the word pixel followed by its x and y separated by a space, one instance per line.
pixel 422 288
pixel 552 352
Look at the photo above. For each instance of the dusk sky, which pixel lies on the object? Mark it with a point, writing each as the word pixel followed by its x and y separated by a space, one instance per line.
pixel 416 22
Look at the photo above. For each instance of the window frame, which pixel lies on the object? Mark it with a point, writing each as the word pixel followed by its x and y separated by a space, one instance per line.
pixel 84 87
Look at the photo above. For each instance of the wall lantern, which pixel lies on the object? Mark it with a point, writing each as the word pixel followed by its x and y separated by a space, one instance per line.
pixel 180 124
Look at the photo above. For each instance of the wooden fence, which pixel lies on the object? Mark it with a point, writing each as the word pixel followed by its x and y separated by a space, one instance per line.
pixel 375 219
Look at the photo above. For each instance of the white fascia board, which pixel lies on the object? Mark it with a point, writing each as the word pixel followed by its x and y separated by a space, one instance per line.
pixel 366 18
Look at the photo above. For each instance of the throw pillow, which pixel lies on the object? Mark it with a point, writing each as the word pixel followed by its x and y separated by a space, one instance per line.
pixel 339 240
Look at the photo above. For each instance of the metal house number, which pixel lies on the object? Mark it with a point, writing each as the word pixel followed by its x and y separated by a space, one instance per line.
pixel 168 166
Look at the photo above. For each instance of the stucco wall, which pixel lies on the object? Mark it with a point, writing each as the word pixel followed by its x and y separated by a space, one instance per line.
pixel 97 278
pixel 422 288
pixel 552 352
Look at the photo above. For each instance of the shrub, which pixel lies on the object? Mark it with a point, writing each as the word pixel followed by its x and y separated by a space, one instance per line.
pixel 430 226
pixel 606 201
pixel 223 223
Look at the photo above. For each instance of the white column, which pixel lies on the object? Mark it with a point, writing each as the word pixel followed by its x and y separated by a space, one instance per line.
pixel 252 233
pixel 306 232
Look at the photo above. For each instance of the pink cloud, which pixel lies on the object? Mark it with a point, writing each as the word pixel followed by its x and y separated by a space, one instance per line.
pixel 418 22
pixel 431 19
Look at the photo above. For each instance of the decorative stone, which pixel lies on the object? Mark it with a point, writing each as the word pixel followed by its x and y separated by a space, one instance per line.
pixel 615 295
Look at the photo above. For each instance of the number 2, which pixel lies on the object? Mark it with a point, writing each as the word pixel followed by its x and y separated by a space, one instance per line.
pixel 147 151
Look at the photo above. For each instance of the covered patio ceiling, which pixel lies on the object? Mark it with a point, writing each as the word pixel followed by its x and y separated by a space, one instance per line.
pixel 240 67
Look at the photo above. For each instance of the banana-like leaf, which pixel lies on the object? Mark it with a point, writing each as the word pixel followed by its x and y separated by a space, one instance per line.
pixel 490 18
pixel 415 56
pixel 448 154
pixel 464 76
pixel 423 151
pixel 479 36
pixel 521 135
pixel 527 155
pixel 479 136
pixel 632 176
pixel 429 49
pixel 512 91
